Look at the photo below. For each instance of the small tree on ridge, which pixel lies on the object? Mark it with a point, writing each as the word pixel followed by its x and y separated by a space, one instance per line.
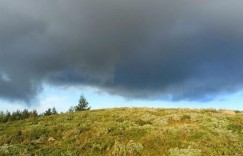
pixel 82 105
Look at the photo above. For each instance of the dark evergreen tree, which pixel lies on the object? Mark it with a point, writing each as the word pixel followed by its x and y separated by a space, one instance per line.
pixel 12 116
pixel 33 114
pixel 25 114
pixel 71 109
pixel 6 116
pixel 2 115
pixel 82 105
pixel 48 112
pixel 54 111
pixel 18 115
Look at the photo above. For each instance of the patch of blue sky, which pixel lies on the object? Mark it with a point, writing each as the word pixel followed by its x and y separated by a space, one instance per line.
pixel 62 98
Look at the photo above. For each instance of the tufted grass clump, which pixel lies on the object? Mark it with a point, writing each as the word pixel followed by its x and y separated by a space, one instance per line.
pixel 184 152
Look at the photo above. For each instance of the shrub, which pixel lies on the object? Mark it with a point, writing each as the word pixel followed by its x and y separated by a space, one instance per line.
pixel 141 122
pixel 238 128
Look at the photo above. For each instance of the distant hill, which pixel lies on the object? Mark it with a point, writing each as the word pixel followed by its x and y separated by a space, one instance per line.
pixel 127 132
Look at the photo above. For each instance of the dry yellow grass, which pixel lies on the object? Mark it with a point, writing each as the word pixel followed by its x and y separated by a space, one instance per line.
pixel 127 132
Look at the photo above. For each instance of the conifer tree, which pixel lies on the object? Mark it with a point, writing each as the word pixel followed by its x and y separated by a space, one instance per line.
pixel 82 105
pixel 48 112
pixel 54 111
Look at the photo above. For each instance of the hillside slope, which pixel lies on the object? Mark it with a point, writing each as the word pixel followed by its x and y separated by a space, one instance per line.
pixel 126 131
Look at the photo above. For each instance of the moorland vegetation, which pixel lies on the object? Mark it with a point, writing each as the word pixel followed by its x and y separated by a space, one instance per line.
pixel 126 132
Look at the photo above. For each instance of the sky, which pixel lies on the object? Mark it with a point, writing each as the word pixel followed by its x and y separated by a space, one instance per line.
pixel 157 53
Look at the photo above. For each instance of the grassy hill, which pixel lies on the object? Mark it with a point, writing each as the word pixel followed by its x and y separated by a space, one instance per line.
pixel 126 131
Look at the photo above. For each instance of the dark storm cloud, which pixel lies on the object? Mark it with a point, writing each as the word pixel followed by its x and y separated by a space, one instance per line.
pixel 181 50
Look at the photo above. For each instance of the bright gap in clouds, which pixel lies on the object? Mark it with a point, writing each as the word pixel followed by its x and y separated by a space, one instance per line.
pixel 62 98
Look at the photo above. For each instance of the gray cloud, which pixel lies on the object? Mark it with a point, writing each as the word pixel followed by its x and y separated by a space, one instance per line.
pixel 181 50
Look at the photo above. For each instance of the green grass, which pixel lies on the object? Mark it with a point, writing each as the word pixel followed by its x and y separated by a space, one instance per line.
pixel 126 132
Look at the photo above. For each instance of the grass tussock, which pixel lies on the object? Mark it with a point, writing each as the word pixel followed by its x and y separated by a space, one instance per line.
pixel 126 132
